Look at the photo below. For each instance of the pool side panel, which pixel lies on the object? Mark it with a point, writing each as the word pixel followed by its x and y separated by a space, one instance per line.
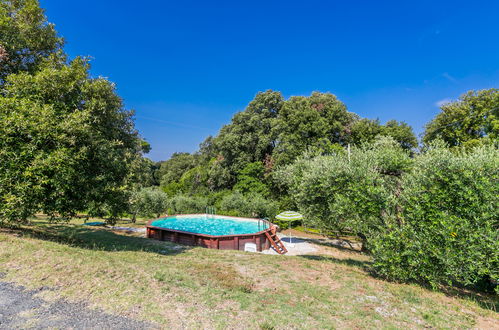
pixel 225 242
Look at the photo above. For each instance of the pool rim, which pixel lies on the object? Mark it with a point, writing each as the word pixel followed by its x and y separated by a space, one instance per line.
pixel 221 242
pixel 149 225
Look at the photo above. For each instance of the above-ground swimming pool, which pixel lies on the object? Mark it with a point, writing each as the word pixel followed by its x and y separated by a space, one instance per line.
pixel 211 231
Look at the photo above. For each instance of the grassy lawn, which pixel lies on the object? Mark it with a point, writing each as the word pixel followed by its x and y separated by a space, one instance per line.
pixel 180 287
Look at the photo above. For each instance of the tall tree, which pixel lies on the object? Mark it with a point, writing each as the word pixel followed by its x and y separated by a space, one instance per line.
pixel 173 169
pixel 65 142
pixel 366 130
pixel 273 131
pixel 250 136
pixel 471 120
pixel 318 121
pixel 26 38
pixel 400 132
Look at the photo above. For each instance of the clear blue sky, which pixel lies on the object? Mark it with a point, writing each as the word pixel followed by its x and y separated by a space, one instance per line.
pixel 187 66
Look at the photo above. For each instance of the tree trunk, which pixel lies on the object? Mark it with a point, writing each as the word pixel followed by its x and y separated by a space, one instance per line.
pixel 365 247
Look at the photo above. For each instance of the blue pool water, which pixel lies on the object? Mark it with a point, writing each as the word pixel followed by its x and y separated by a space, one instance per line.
pixel 211 225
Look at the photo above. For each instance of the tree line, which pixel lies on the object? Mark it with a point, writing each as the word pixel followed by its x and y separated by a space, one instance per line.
pixel 273 132
pixel 426 212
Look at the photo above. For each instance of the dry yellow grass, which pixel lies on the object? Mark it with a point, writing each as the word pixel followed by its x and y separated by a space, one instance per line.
pixel 184 287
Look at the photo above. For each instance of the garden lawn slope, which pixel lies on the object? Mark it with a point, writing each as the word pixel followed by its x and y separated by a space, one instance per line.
pixel 180 287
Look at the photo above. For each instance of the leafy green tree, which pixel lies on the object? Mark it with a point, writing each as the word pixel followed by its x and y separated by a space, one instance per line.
pixel 234 204
pixel 194 181
pixel 400 132
pixel 219 176
pixel 207 149
pixel 184 204
pixel 141 173
pixel 274 131
pixel 26 38
pixel 251 205
pixel 471 120
pixel 172 189
pixel 249 137
pixel 316 121
pixel 65 142
pixel 173 169
pixel 366 130
pixel 156 178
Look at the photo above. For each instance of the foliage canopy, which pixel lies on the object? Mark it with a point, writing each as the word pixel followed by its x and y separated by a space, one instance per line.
pixel 26 38
pixel 272 132
pixel 66 142
pixel 449 229
pixel 472 120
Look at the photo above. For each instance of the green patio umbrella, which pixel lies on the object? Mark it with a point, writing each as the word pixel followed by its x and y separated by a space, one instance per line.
pixel 289 216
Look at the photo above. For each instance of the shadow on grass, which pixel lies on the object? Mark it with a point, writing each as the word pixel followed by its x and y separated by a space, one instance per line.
pixel 94 238
pixel 340 244
pixel 364 265
pixel 488 301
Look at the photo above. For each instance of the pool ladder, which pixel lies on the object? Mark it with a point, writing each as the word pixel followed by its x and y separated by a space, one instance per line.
pixel 275 241
pixel 263 224
pixel 210 210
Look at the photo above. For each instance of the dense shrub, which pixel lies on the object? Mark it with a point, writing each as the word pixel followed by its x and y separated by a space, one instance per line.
pixel 226 202
pixel 251 179
pixel 235 202
pixel 172 188
pixel 348 191
pixel 449 221
pixel 251 205
pixel 148 202
pixel 184 204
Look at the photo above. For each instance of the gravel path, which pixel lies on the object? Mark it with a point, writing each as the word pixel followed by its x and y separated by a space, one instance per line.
pixel 21 309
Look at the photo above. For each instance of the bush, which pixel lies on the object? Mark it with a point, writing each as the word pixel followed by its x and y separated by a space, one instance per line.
pixel 183 204
pixel 172 188
pixel 448 230
pixel 261 207
pixel 234 202
pixel 215 198
pixel 251 205
pixel 148 202
pixel 251 179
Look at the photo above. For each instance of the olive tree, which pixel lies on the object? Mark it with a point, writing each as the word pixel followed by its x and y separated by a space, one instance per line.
pixel 449 229
pixel 150 201
pixel 348 191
